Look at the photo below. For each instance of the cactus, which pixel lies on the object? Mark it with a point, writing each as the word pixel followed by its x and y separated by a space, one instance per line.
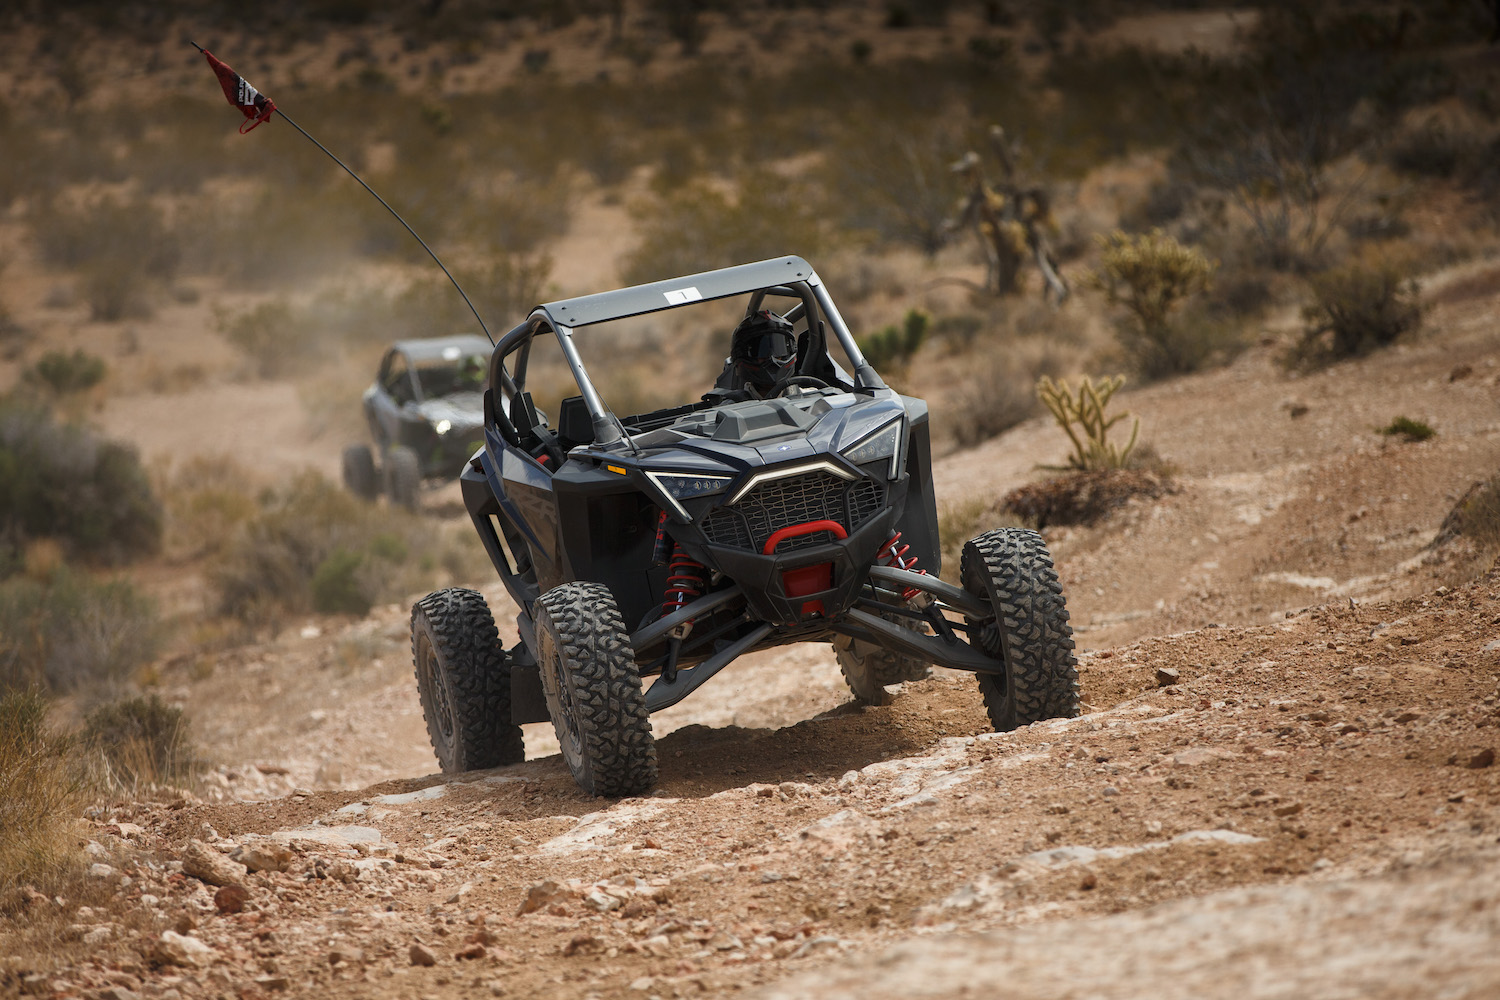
pixel 1092 450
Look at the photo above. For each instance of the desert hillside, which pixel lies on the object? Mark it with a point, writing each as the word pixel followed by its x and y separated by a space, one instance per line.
pixel 1278 225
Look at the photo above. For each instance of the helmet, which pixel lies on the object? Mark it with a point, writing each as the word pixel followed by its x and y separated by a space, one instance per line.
pixel 471 372
pixel 762 350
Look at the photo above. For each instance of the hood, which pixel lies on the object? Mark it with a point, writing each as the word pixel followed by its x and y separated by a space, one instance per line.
pixel 463 410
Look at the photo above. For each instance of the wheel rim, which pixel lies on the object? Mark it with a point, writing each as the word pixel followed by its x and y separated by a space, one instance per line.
pixel 569 736
pixel 442 703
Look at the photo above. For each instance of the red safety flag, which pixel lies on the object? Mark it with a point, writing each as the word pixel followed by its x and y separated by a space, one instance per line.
pixel 257 107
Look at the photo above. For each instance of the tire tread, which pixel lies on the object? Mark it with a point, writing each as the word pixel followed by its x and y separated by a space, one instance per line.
pixel 1015 570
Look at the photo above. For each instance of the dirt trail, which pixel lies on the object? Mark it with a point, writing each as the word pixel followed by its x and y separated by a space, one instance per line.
pixel 1276 788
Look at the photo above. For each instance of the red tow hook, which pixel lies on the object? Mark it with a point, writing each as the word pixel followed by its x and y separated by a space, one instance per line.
pixel 806 579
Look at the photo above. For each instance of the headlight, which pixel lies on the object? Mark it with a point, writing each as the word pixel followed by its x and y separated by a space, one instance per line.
pixel 677 487
pixel 685 487
pixel 883 442
pixel 443 426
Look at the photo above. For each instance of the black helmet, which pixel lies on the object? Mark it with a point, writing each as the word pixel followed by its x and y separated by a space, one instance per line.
pixel 762 350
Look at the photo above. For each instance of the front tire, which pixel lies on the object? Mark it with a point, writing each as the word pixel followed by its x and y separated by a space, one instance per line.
pixel 593 690
pixel 403 476
pixel 1012 570
pixel 463 681
pixel 359 472
pixel 869 669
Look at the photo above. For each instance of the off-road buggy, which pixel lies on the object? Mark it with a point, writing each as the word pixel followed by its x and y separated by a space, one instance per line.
pixel 425 413
pixel 661 546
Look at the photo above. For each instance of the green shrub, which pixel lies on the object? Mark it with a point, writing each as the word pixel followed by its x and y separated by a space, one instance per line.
pixel 1409 429
pixel 1476 516
pixel 314 547
pixel 69 630
pixel 893 346
pixel 122 247
pixel 40 793
pixel 1357 309
pixel 114 291
pixel 1150 276
pixel 63 482
pixel 140 742
pixel 277 340
pixel 64 373
pixel 336 587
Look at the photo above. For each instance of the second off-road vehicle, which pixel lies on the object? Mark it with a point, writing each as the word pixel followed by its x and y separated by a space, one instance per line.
pixel 425 410
pixel 648 551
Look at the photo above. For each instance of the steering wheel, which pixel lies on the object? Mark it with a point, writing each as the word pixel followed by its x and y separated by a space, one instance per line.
pixel 801 381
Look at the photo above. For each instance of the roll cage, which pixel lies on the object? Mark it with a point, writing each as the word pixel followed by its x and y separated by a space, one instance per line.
pixel 786 277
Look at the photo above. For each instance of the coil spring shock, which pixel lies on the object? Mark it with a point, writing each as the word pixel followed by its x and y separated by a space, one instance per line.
pixel 893 554
pixel 684 580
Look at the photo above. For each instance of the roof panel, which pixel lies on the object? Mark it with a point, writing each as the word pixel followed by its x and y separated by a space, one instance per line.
pixel 640 299
pixel 436 348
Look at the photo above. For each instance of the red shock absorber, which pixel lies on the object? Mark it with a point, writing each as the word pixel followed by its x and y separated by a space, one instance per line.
pixel 893 554
pixel 684 580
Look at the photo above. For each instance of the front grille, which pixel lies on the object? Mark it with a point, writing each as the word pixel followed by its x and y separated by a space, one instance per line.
pixel 778 503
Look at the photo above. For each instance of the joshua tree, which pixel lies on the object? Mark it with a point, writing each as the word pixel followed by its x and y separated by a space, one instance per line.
pixel 1010 220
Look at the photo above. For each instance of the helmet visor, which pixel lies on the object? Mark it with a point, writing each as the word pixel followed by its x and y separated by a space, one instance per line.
pixel 773 345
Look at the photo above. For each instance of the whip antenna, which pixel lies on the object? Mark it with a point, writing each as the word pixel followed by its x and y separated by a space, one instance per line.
pixel 258 108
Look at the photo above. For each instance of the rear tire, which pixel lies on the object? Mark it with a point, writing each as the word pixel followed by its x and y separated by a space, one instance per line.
pixel 593 690
pixel 359 472
pixel 463 681
pixel 869 669
pixel 403 477
pixel 1012 570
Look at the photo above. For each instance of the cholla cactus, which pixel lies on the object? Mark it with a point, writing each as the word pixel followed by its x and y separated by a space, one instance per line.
pixel 1149 275
pixel 1092 450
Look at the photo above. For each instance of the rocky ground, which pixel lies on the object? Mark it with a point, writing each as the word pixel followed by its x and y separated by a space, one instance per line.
pixel 1338 763
pixel 1283 784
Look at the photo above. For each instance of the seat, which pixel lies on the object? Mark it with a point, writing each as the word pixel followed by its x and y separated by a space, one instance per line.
pixel 536 438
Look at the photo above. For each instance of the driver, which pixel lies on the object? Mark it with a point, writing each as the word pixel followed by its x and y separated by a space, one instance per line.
pixel 762 352
pixel 471 375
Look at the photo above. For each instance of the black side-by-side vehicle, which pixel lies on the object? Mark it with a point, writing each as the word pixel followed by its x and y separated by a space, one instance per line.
pixel 647 552
pixel 425 411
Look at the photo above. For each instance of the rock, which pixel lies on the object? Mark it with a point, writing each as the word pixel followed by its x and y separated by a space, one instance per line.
pixel 422 955
pixel 208 865
pixel 1482 759
pixel 180 949
pixel 101 870
pixel 601 901
pixel 540 894
pixel 263 856
pixel 580 943
pixel 117 993
pixel 98 935
pixel 1288 809
pixel 642 984
pixel 814 944
pixel 724 941
pixel 1194 756
pixel 354 956
pixel 231 899
pixel 274 984
pixel 462 891
pixel 1167 676
pixel 470 952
